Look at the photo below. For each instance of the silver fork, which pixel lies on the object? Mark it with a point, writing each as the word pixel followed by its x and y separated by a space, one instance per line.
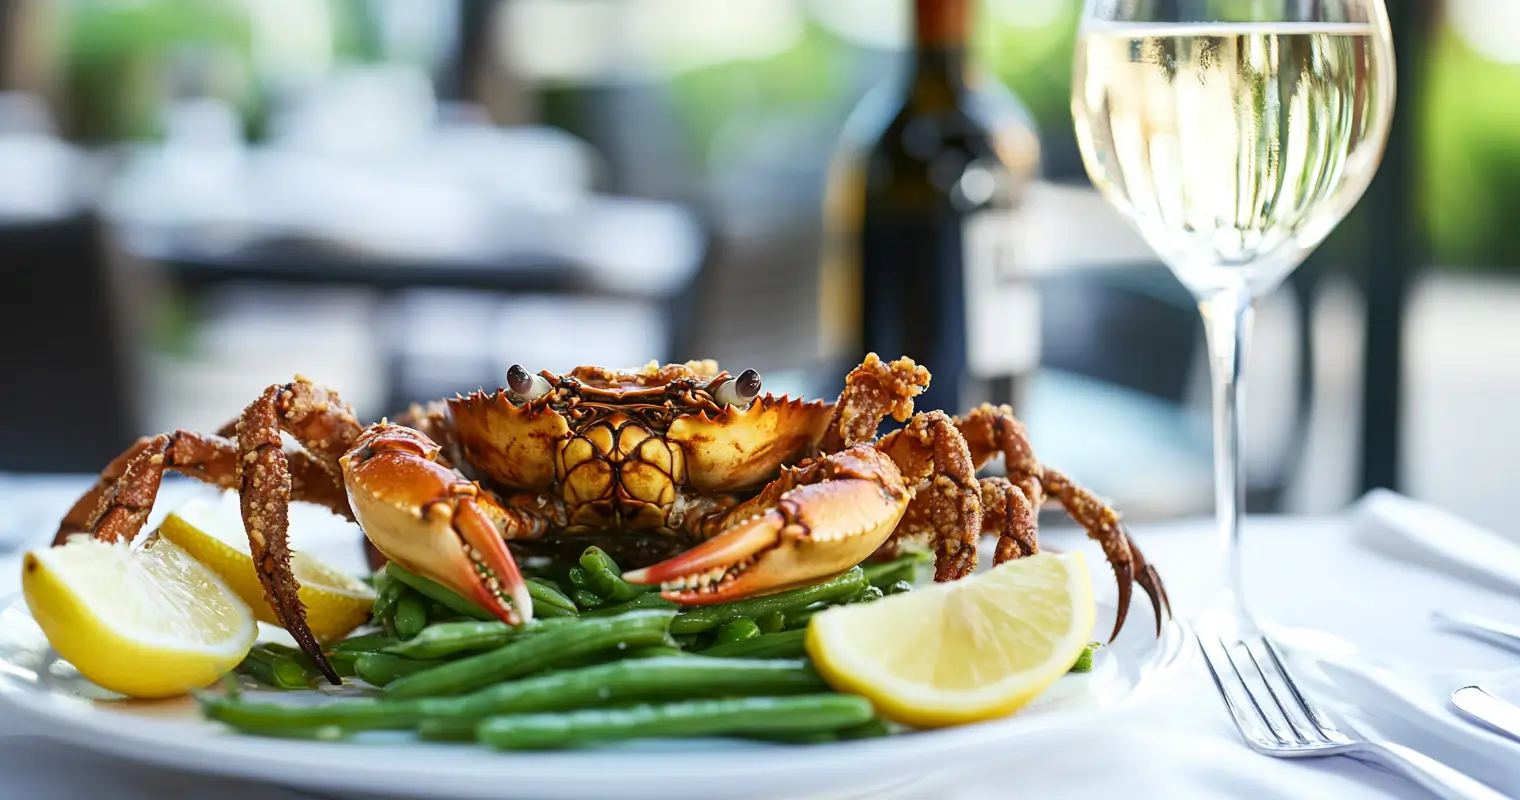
pixel 1276 719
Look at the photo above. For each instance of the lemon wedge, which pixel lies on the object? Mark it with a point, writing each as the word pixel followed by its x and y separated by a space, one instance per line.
pixel 212 532
pixel 963 651
pixel 149 622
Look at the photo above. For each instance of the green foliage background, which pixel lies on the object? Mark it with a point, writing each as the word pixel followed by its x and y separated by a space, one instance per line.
pixel 120 56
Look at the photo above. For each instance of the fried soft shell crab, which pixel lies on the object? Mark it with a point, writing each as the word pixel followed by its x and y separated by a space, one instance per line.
pixel 769 493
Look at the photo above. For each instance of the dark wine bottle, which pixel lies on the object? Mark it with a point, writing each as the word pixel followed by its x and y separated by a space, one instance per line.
pixel 928 194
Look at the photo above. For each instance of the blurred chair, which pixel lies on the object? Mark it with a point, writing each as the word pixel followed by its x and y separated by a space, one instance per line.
pixel 67 406
pixel 1138 330
pixel 66 323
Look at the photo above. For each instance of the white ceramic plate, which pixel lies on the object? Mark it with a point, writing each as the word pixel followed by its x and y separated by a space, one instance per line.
pixel 36 684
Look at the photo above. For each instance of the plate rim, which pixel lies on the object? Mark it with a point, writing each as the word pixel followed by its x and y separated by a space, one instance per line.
pixel 385 767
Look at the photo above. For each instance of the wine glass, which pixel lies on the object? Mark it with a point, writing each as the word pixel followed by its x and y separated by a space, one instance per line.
pixel 1234 135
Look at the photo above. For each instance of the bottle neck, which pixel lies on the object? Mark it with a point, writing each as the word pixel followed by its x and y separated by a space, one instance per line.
pixel 940 32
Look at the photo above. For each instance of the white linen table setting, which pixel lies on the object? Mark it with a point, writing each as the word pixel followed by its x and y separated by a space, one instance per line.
pixel 1369 579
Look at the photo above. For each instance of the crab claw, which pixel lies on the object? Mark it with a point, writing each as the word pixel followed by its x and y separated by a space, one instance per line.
pixel 813 532
pixel 426 518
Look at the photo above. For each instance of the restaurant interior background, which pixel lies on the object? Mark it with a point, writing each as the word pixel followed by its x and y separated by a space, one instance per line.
pixel 401 198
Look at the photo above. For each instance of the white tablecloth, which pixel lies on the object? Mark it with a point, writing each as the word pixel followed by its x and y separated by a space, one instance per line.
pixel 1180 743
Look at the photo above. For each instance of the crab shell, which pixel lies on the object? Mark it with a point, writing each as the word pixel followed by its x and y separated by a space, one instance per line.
pixel 653 451
pixel 622 457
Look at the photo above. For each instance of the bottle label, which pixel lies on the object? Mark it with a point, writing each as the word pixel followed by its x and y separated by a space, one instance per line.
pixel 1002 301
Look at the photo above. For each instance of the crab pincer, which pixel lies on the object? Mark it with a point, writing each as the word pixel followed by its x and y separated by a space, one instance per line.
pixel 844 508
pixel 427 518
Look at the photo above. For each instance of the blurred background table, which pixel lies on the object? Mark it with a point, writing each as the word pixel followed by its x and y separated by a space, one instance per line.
pixel 401 201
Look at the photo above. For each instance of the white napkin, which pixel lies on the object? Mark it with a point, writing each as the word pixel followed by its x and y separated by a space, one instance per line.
pixel 1408 705
pixel 1415 531
pixel 1413 709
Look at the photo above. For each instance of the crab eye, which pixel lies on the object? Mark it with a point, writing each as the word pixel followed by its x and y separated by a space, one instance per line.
pixel 525 387
pixel 740 391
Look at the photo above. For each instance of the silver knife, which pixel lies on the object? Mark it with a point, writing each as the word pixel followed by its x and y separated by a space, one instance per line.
pixel 1481 707
pixel 1491 631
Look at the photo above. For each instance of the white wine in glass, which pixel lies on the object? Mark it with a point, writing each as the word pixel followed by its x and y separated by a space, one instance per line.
pixel 1235 136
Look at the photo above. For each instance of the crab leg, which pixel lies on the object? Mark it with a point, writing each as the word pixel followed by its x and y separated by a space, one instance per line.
pixel 1102 524
pixel 816 522
pixel 933 456
pixel 873 391
pixel 1007 512
pixel 323 425
pixel 994 430
pixel 118 505
pixel 432 521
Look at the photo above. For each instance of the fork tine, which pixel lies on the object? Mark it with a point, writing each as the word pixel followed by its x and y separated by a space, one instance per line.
pixel 1251 729
pixel 1261 712
pixel 1327 730
pixel 1267 682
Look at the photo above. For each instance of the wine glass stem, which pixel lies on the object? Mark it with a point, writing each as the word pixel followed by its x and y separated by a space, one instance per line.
pixel 1227 315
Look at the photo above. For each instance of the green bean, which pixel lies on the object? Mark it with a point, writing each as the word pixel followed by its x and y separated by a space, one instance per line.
pixel 264 673
pixel 869 594
pixel 899 587
pixel 867 730
pixel 578 578
pixel 343 663
pixel 1084 661
pixel 774 622
pixel 344 653
pixel 381 669
pixel 654 679
pixel 386 598
pixel 411 615
pixel 447 729
pixel 538 652
pixel 365 643
pixel 786 644
pixel 549 601
pixel 641 602
pixel 437 592
pixel 903 568
pixel 274 669
pixel 750 715
pixel 350 714
pixel 737 631
pixel 585 600
pixel 346 662
pixel 438 612
pixel 800 617
pixel 645 680
pixel 290 652
pixel 701 618
pixel 290 664
pixel 444 639
pixel 604 577
pixel 655 651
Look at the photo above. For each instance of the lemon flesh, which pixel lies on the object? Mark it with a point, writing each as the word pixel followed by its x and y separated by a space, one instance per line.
pixel 963 651
pixel 212 531
pixel 150 622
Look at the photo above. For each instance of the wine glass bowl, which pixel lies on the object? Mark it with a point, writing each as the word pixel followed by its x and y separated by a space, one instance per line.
pixel 1235 135
pixel 1235 147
